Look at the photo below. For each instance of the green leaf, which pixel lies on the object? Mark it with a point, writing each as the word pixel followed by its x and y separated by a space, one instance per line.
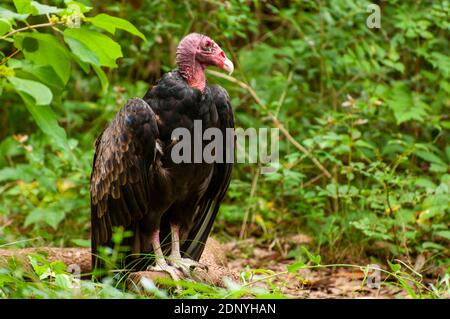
pixel 58 267
pixel 46 119
pixel 8 173
pixel 404 106
pixel 106 49
pixel 102 77
pixel 23 171
pixel 45 49
pixel 81 242
pixel 80 7
pixel 23 6
pixel 5 26
pixel 39 264
pixel 394 65
pixel 40 9
pixel 430 157
pixel 34 7
pixel 63 281
pixel 315 259
pixel 44 74
pixel 428 245
pixel 38 91
pixel 50 217
pixel 110 24
pixel 364 144
pixel 11 15
pixel 82 51
pixel 394 267
pixel 438 168
pixel 295 266
pixel 86 67
pixel 447 153
pixel 443 233
pixel 441 62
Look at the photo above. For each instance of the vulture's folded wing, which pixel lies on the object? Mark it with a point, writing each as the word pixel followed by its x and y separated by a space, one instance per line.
pixel 119 186
pixel 209 204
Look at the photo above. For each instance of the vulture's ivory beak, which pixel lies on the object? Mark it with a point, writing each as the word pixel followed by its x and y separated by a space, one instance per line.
pixel 228 66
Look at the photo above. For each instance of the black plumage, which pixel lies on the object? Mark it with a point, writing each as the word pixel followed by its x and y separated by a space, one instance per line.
pixel 136 185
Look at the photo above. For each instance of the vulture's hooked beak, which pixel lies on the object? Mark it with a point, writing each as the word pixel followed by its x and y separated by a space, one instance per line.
pixel 228 66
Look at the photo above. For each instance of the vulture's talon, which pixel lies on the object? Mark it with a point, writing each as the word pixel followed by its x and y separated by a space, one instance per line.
pixel 186 265
pixel 164 267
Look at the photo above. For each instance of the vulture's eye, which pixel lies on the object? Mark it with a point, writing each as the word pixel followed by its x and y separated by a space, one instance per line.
pixel 208 46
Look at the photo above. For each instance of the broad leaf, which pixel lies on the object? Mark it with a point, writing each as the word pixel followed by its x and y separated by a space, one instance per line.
pixel 80 7
pixel 81 242
pixel 11 15
pixel 23 6
pixel 38 91
pixel 25 171
pixel 47 121
pixel 34 7
pixel 5 26
pixel 49 216
pixel 45 49
pixel 430 157
pixel 110 24
pixel 107 50
pixel 441 62
pixel 86 67
pixel 404 105
pixel 295 266
pixel 82 51
pixel 44 74
pixel 44 9
pixel 444 234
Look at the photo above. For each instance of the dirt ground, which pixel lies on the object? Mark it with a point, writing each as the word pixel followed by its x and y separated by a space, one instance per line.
pixel 337 282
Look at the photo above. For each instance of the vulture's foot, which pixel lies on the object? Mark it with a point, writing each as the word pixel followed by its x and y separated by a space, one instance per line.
pixel 161 265
pixel 186 265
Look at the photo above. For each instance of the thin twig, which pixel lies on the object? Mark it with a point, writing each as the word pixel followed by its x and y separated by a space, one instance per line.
pixel 30 27
pixel 249 209
pixel 9 57
pixel 274 119
pixel 283 95
pixel 312 181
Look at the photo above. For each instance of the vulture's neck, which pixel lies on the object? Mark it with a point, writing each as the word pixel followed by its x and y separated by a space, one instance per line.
pixel 194 75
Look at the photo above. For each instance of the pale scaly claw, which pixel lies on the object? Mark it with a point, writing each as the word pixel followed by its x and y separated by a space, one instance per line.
pixel 186 265
pixel 161 265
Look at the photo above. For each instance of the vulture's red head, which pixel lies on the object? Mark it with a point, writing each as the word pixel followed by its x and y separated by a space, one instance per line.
pixel 196 52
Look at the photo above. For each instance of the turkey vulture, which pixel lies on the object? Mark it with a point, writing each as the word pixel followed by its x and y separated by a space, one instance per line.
pixel 135 183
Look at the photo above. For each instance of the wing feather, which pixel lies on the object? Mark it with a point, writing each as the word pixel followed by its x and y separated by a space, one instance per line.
pixel 124 153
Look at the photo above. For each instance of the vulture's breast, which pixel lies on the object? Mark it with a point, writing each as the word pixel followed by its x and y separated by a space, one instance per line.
pixel 177 105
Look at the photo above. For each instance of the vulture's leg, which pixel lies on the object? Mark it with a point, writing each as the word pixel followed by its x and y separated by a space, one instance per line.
pixel 175 259
pixel 160 261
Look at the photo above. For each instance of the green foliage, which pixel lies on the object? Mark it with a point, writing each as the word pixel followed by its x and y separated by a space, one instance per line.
pixel 110 24
pixel 372 105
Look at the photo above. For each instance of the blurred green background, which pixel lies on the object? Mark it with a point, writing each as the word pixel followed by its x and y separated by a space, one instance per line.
pixel 372 105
